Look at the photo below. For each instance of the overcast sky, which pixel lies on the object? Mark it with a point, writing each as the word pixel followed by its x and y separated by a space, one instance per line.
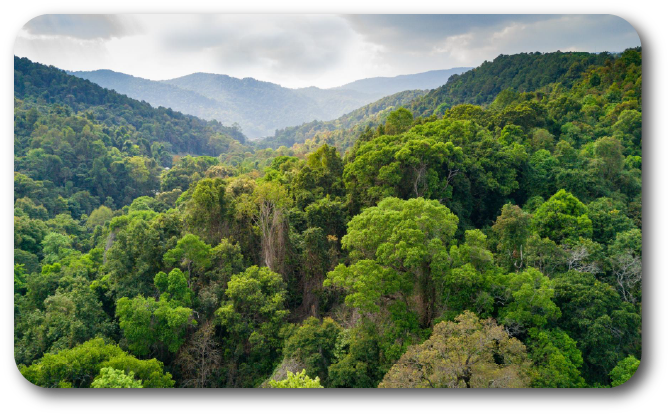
pixel 304 50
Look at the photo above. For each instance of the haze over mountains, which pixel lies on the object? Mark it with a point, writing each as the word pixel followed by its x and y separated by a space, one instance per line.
pixel 260 108
pixel 390 85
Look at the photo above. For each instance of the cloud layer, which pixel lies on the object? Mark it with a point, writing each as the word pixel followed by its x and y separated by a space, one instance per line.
pixel 304 50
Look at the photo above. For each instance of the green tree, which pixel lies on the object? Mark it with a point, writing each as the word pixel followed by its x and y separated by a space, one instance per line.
pixel 531 303
pixel 313 345
pixel 624 370
pixel 512 229
pixel 398 121
pixel 296 381
pixel 174 287
pixel 421 161
pixel 148 324
pixel 226 259
pixel 468 353
pixel 609 157
pixel 608 218
pixel 558 360
pixel 209 211
pixel 190 253
pixel 110 378
pixel 135 247
pixel 396 246
pixel 606 328
pixel 79 366
pixel 55 247
pixel 253 316
pixel 359 358
pixel 562 217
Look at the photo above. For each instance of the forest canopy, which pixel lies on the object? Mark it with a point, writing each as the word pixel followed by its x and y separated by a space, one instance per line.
pixel 486 234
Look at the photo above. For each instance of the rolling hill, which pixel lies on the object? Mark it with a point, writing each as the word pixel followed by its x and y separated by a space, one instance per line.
pixel 259 107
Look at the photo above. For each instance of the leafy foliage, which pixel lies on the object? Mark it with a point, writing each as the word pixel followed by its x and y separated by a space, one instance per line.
pixel 506 230
pixel 466 354
pixel 296 381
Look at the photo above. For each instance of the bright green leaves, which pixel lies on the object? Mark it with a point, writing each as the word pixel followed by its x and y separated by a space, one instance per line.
pixel 191 253
pixel 398 245
pixel 563 217
pixel 557 358
pixel 624 370
pixel 55 247
pixel 472 251
pixel 321 176
pixel 407 166
pixel 422 161
pixel 369 284
pixel 253 316
pixel 532 304
pixel 146 322
pixel 71 315
pixel 174 287
pixel 226 260
pixel 255 300
pixel 296 381
pixel 19 279
pixel 411 223
pixel 110 378
pixel 79 366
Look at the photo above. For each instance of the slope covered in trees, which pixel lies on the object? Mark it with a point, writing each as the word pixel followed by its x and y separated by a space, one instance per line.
pixel 78 146
pixel 342 131
pixel 524 72
pixel 259 107
pixel 49 85
pixel 495 246
pixel 480 86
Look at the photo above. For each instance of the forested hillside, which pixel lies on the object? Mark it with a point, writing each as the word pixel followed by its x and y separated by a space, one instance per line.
pixel 160 94
pixel 524 72
pixel 480 246
pixel 258 107
pixel 342 131
pixel 480 86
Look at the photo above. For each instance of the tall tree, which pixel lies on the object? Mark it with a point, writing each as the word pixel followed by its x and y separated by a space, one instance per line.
pixel 398 249
pixel 468 353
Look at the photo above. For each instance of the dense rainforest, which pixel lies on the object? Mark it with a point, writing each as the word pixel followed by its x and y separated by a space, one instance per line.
pixel 525 72
pixel 491 241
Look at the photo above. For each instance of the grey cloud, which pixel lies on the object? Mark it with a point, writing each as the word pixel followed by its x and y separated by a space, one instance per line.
pixel 437 41
pixel 83 26
pixel 398 32
pixel 302 50
pixel 205 32
pixel 296 44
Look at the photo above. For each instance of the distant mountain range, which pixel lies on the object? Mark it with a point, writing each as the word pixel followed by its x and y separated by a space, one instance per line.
pixel 261 108
pixel 390 85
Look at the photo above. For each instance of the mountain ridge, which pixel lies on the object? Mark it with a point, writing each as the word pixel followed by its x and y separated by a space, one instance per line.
pixel 245 100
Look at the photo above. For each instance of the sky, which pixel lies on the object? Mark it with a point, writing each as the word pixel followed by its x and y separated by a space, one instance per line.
pixel 306 50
